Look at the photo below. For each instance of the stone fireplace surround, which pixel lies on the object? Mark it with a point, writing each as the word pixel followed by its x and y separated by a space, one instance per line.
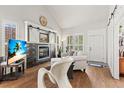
pixel 39 53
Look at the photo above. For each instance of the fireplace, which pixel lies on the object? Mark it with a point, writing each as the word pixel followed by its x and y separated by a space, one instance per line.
pixel 43 52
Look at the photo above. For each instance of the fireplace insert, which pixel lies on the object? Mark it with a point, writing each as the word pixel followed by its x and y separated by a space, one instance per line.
pixel 43 52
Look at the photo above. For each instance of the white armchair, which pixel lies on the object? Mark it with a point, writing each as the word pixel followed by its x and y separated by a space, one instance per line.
pixel 80 61
pixel 57 74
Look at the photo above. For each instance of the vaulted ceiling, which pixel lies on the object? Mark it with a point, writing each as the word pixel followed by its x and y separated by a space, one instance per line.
pixel 86 16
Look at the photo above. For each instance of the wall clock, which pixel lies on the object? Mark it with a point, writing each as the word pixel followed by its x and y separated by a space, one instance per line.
pixel 43 21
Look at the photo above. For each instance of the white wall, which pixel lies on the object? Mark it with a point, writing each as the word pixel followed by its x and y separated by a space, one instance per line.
pixel 19 14
pixel 110 45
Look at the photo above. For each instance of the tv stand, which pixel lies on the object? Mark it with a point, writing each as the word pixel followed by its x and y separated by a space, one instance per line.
pixel 11 72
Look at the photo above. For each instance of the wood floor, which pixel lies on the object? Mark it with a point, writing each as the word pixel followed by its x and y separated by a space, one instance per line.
pixel 93 78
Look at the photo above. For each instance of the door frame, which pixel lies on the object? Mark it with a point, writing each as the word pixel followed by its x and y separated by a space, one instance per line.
pixel 101 32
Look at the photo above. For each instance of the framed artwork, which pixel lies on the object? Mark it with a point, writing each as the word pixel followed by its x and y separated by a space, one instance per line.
pixel 43 20
pixel 44 37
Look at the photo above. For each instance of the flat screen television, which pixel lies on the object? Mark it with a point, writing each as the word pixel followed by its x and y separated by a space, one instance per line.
pixel 16 50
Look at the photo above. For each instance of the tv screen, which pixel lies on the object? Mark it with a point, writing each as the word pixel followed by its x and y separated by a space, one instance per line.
pixel 16 50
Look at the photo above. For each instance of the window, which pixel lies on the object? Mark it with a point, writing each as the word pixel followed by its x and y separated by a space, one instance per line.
pixel 75 42
pixel 10 33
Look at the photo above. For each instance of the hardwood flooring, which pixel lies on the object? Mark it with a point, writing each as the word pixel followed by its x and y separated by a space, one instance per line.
pixel 93 78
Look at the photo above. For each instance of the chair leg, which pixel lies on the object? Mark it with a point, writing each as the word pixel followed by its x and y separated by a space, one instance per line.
pixel 84 70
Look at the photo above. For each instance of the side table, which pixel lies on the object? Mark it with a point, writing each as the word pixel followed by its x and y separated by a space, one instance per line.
pixel 11 72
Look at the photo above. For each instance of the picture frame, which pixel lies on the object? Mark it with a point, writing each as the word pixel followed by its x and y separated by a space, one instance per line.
pixel 43 37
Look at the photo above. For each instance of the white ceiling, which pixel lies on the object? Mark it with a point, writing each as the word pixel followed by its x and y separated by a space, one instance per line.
pixel 69 16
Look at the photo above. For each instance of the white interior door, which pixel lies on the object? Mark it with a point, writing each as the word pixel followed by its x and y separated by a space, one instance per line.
pixel 96 48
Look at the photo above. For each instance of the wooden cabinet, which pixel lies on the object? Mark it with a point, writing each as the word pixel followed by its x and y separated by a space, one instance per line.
pixel 121 65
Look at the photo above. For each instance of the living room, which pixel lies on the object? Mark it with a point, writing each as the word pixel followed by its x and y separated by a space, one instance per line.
pixel 76 46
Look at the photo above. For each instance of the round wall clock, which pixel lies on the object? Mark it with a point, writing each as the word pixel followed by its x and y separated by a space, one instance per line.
pixel 43 21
